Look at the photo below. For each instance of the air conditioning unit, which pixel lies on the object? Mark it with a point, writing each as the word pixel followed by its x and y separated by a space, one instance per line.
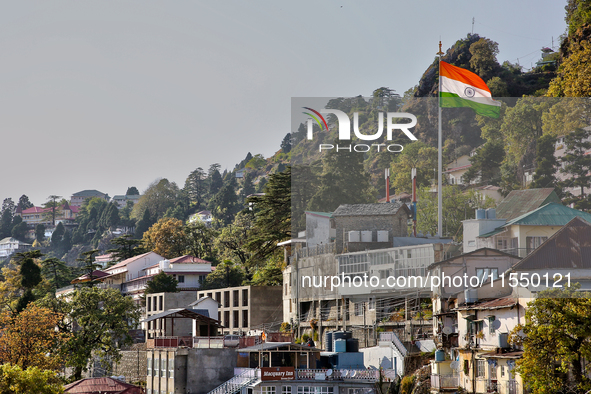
pixel 366 236
pixel 354 236
pixel 383 235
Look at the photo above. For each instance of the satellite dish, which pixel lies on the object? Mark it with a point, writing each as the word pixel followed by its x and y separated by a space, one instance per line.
pixel 447 330
pixel 455 365
pixel 496 324
pixel 353 373
pixel 345 373
pixel 329 372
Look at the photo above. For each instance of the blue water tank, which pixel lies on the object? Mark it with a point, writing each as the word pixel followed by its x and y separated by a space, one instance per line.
pixel 340 345
pixel 480 214
pixel 439 355
pixel 329 341
pixel 348 334
pixel 491 213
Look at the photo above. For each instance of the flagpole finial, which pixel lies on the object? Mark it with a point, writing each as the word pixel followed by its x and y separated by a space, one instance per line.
pixel 440 52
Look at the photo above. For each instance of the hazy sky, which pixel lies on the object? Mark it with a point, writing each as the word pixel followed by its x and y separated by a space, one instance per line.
pixel 110 94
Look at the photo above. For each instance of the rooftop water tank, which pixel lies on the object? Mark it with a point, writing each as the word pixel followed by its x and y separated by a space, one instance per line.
pixel 439 355
pixel 352 345
pixel 491 213
pixel 340 345
pixel 329 341
pixel 480 214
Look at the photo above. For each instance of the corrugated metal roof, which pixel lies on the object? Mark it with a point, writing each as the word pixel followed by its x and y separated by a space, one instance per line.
pixel 104 385
pixel 497 303
pixel 369 209
pixel 551 214
pixel 569 248
pixel 519 202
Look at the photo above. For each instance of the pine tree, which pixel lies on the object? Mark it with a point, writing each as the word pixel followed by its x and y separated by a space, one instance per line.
pixel 546 163
pixel 577 164
pixel 343 181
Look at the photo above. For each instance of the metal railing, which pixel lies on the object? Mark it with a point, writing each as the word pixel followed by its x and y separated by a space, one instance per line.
pixel 511 387
pixel 445 381
pixel 248 377
pixel 208 342
pixel 315 251
pixel 338 374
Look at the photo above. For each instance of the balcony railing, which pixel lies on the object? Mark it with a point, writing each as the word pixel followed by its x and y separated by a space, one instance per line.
pixel 445 381
pixel 338 374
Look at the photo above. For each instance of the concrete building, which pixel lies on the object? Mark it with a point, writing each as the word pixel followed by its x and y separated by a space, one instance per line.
pixel 188 370
pixel 9 246
pixel 360 227
pixel 247 308
pixel 78 198
pixel 132 275
pixel 159 302
pixel 121 200
pixel 456 169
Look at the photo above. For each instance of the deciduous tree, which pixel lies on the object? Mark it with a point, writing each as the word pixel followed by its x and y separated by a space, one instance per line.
pixel 556 341
pixel 29 339
pixel 98 321
pixel 166 238
pixel 13 379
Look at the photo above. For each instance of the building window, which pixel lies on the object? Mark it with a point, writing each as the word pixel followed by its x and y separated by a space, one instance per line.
pixel 245 297
pixel 171 368
pixel 533 242
pixel 226 299
pixel 372 304
pixel 160 302
pixel 154 306
pixel 156 366
pixel 236 296
pixel 163 368
pixel 267 389
pixel 236 320
pixel 493 372
pixel 480 368
pixel 359 309
pixel 218 297
pixel 286 390
pixel 149 366
pixel 502 371
pixel 244 318
pixel 227 319
pixel 315 390
pixel 181 279
pixel 149 304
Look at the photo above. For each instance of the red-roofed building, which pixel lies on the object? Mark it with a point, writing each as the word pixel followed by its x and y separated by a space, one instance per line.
pixel 38 215
pixel 103 385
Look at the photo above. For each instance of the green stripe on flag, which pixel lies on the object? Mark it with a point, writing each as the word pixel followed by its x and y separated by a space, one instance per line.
pixel 452 100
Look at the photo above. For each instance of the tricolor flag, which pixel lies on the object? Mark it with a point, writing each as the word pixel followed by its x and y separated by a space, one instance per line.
pixel 463 88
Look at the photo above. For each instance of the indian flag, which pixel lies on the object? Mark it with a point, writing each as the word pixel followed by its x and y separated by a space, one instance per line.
pixel 463 88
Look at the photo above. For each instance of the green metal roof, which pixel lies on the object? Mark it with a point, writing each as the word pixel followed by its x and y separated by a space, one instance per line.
pixel 325 214
pixel 520 202
pixel 551 214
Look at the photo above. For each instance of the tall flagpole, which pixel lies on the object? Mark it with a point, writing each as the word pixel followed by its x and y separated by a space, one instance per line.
pixel 439 157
